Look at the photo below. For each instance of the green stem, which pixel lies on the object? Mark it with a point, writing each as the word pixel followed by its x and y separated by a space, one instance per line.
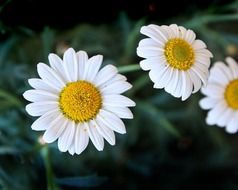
pixel 203 20
pixel 129 68
pixel 220 18
pixel 49 173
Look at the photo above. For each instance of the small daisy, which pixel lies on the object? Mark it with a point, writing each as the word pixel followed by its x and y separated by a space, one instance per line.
pixel 77 101
pixel 222 96
pixel 177 61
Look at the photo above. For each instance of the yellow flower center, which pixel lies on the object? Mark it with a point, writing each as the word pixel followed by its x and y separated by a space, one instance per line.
pixel 179 54
pixel 231 94
pixel 80 101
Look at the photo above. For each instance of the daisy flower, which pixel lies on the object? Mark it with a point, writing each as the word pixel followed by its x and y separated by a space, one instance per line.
pixel 177 61
pixel 222 96
pixel 76 101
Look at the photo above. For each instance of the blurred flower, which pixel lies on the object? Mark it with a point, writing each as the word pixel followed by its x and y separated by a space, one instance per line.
pixel 41 140
pixel 176 60
pixel 61 47
pixel 232 49
pixel 222 96
pixel 77 101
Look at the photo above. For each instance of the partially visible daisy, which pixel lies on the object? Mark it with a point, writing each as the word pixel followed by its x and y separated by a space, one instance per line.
pixel 77 101
pixel 177 61
pixel 222 96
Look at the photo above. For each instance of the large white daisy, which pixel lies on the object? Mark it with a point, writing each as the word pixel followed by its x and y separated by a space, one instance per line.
pixel 222 96
pixel 77 101
pixel 177 61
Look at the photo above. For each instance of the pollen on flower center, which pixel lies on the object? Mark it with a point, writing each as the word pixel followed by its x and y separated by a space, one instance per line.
pixel 179 53
pixel 231 94
pixel 80 101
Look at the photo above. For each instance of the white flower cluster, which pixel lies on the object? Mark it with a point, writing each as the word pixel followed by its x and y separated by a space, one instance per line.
pixel 78 101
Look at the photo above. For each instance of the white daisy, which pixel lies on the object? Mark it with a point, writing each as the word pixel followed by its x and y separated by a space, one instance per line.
pixel 77 101
pixel 222 96
pixel 176 60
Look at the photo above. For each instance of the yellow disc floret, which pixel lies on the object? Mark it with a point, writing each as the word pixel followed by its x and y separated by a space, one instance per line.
pixel 80 101
pixel 179 54
pixel 231 94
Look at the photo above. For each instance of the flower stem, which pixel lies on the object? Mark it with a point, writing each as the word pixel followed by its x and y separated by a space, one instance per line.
pixel 220 18
pixel 198 21
pixel 129 68
pixel 10 98
pixel 49 173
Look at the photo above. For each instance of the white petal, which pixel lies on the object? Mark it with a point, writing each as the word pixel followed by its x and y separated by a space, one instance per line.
pixel 213 91
pixel 161 34
pixel 215 113
pixel 95 137
pixel 187 85
pixel 111 121
pixel 154 32
pixel 148 42
pixel 203 76
pixel 171 86
pixel 224 69
pixel 49 76
pixel 66 139
pixel 82 57
pixel 205 60
pixel 39 95
pixel 43 122
pixel 196 81
pixel 190 36
pixel 199 44
pixel 147 52
pixel 40 108
pixel 92 67
pixel 153 63
pixel 166 29
pixel 175 30
pixel 207 103
pixel 203 68
pixel 55 129
pixel 232 126
pixel 233 66
pixel 153 75
pixel 218 76
pixel 178 86
pixel 225 117
pixel 57 64
pixel 81 138
pixel 122 112
pixel 39 84
pixel 117 100
pixel 105 132
pixel 72 149
pixel 105 74
pixel 70 65
pixel 183 32
pixel 116 88
pixel 116 78
pixel 163 77
pixel 204 53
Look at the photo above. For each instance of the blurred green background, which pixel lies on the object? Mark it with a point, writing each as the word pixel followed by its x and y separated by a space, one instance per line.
pixel 167 146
